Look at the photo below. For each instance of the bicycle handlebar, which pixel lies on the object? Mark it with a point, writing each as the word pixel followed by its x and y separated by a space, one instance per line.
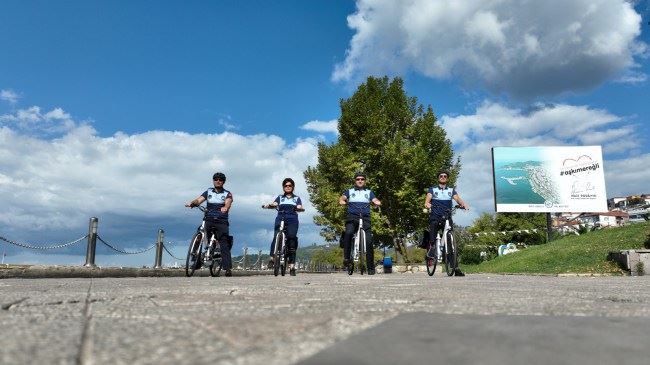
pixel 428 210
pixel 201 208
pixel 276 207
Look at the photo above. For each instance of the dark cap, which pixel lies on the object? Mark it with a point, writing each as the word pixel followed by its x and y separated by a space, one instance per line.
pixel 220 176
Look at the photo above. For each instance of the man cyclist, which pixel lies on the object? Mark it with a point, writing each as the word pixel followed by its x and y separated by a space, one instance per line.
pixel 358 200
pixel 288 207
pixel 439 201
pixel 216 216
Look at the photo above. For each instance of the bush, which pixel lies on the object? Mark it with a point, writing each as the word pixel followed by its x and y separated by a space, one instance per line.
pixel 471 254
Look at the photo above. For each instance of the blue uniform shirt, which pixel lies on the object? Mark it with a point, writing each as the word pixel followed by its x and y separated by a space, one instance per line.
pixel 441 200
pixel 359 201
pixel 287 205
pixel 216 200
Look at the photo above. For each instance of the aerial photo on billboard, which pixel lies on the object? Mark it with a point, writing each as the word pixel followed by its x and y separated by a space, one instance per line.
pixel 549 179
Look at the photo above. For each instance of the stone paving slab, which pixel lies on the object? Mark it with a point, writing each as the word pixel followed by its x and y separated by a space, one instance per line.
pixel 274 320
pixel 426 338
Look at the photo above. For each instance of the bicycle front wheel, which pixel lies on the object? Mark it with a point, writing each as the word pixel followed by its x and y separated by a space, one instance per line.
pixel 215 265
pixel 193 260
pixel 362 252
pixel 279 240
pixel 431 262
pixel 451 255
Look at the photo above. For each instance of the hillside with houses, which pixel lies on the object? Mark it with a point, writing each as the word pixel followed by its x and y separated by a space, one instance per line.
pixel 622 210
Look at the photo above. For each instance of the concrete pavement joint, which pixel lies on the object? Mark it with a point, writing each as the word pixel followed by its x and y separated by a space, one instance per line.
pixel 85 348
pixel 8 306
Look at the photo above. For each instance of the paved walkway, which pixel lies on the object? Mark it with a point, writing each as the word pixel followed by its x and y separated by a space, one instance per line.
pixel 246 320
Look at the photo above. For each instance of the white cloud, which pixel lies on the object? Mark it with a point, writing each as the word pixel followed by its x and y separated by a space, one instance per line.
pixel 632 77
pixel 493 124
pixel 322 127
pixel 50 184
pixel 523 48
pixel 33 121
pixel 9 96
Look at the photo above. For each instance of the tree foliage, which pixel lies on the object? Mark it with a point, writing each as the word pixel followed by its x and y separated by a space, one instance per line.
pixel 397 143
pixel 509 222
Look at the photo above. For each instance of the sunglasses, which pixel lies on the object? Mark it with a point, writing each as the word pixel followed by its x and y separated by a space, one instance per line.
pixel 360 179
pixel 443 175
pixel 288 186
pixel 217 179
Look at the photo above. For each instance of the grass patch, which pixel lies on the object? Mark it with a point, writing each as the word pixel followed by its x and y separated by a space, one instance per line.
pixel 572 254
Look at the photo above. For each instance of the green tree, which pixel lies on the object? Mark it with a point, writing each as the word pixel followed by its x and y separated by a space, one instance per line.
pixel 397 143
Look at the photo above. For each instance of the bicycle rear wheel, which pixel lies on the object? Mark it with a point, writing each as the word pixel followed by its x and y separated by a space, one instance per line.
pixel 279 239
pixel 193 259
pixel 431 262
pixel 451 256
pixel 362 252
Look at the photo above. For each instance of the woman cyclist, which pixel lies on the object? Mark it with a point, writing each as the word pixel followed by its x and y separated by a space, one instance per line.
pixel 288 207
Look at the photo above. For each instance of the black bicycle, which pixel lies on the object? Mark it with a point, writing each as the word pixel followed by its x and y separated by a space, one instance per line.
pixel 202 252
pixel 280 254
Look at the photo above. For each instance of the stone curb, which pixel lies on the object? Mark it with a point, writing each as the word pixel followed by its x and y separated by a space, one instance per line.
pixel 39 272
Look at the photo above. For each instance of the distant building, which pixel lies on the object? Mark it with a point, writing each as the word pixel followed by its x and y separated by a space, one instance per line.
pixel 605 219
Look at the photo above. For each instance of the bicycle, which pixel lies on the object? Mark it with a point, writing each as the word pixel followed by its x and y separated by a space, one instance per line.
pixel 280 251
pixel 446 250
pixel 200 253
pixel 359 248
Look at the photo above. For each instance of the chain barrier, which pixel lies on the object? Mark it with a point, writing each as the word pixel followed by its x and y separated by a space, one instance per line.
pixel 36 247
pixel 170 254
pixel 123 251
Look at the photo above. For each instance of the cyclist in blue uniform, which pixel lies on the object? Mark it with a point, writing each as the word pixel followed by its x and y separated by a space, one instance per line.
pixel 216 217
pixel 439 201
pixel 288 204
pixel 358 200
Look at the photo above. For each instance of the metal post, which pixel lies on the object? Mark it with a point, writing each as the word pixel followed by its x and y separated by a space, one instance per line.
pixel 159 249
pixel 549 227
pixel 259 258
pixel 92 242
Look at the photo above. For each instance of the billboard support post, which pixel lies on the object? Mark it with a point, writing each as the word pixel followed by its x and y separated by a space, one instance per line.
pixel 549 227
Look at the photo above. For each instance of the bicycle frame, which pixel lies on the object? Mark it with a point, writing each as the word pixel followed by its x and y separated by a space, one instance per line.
pixel 209 247
pixel 442 241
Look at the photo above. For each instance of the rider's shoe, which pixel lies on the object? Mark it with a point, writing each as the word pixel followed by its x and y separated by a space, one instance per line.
pixel 457 272
pixel 292 271
pixel 371 271
pixel 431 253
pixel 228 272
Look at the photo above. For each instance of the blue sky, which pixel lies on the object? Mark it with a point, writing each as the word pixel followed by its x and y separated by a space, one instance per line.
pixel 92 91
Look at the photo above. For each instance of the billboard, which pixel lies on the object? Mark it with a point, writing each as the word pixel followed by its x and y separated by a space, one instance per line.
pixel 549 179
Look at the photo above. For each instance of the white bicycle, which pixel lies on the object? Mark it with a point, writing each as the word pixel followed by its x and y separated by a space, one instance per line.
pixel 445 250
pixel 358 249
pixel 200 253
